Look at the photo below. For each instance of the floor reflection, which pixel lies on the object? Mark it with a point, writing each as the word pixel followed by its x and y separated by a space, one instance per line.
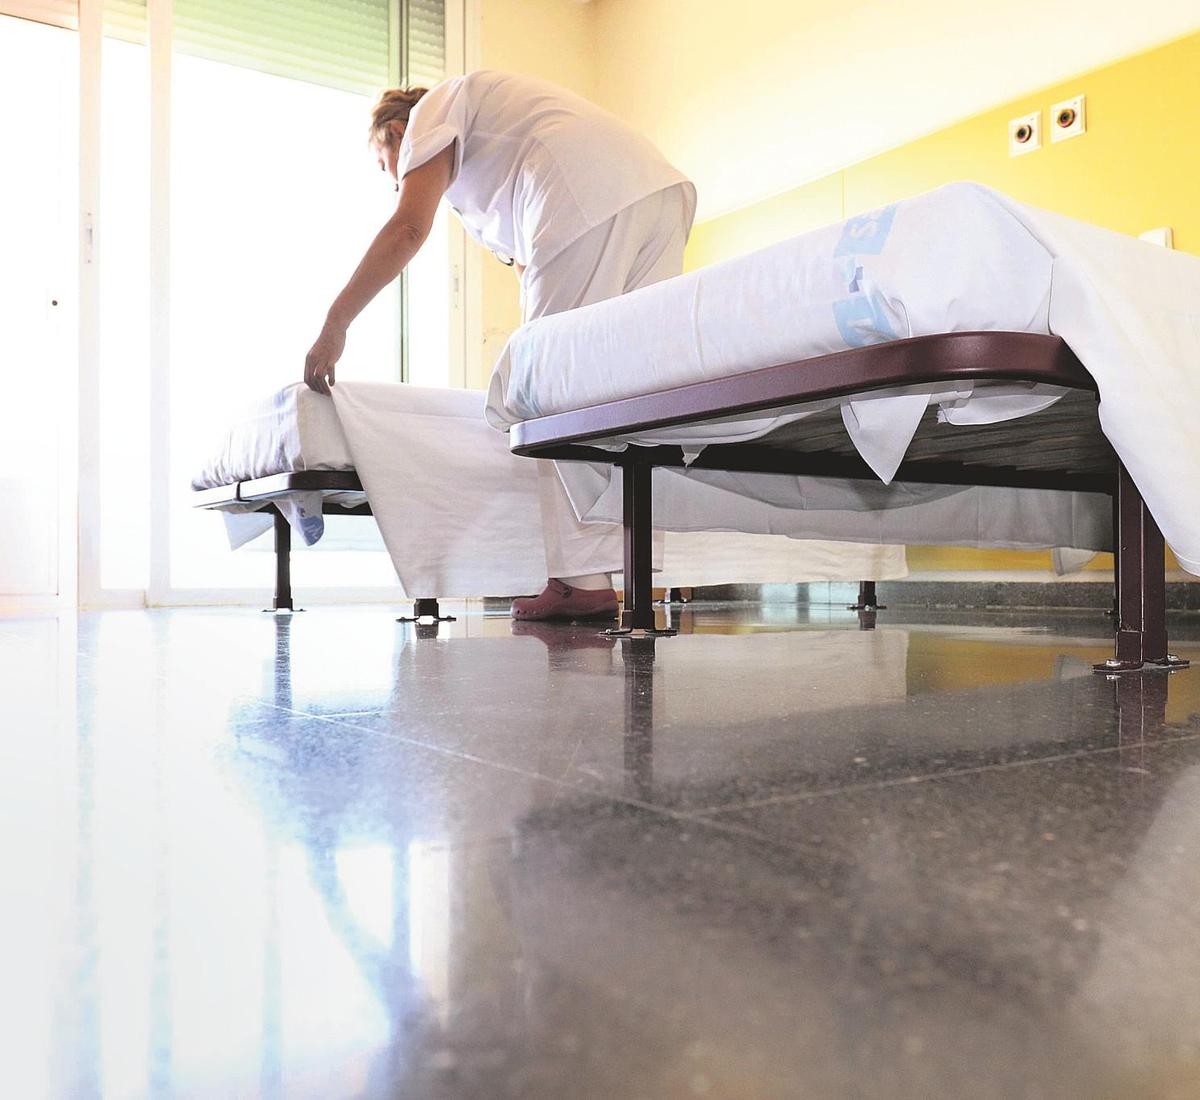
pixel 637 655
pixel 329 855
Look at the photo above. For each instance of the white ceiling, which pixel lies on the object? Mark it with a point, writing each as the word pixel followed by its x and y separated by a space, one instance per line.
pixel 791 90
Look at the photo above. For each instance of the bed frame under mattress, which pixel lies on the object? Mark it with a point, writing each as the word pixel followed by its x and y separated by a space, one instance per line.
pixel 1061 447
pixel 266 491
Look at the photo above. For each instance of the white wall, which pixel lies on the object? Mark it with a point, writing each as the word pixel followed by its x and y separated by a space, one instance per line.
pixel 753 98
pixel 550 39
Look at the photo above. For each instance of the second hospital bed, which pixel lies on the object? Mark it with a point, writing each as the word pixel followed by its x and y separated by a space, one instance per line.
pixel 458 513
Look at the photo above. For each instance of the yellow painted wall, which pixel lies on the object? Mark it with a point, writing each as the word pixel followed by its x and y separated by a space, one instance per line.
pixel 754 98
pixel 550 39
pixel 1137 167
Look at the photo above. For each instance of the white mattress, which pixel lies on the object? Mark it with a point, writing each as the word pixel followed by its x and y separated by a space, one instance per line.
pixel 292 430
pixel 960 258
pixel 948 261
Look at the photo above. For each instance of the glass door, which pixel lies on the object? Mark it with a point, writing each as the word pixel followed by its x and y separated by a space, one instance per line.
pixel 187 184
pixel 274 195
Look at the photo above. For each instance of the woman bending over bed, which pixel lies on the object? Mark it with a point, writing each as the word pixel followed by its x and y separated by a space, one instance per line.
pixel 583 206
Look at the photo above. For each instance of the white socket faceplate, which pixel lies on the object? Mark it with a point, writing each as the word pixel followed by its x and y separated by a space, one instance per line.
pixel 1076 107
pixel 1030 124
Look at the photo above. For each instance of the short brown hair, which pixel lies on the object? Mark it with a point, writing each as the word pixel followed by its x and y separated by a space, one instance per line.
pixel 395 105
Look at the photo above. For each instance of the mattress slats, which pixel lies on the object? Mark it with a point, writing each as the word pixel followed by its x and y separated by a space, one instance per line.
pixel 1066 436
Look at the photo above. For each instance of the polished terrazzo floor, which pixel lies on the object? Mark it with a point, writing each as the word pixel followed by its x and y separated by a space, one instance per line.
pixel 775 856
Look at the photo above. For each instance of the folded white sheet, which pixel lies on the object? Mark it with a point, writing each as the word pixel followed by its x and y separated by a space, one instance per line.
pixel 957 259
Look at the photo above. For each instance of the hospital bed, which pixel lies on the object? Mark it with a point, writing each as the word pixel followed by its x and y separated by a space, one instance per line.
pixel 342 494
pixel 458 513
pixel 263 494
pixel 1061 447
pixel 955 368
pixel 284 461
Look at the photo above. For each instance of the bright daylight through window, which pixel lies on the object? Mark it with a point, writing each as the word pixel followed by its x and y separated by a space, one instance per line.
pixel 272 194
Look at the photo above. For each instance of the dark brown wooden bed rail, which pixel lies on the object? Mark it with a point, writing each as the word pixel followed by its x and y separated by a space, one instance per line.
pixel 922 360
pixel 1061 448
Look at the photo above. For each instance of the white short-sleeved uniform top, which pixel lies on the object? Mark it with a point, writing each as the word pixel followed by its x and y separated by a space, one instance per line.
pixel 535 166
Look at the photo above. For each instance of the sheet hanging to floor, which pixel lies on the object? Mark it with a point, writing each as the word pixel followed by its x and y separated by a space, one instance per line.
pixel 458 512
pixel 961 258
pixel 458 515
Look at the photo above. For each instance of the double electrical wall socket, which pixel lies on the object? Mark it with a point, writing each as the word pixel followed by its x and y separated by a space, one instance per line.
pixel 1025 134
pixel 1068 119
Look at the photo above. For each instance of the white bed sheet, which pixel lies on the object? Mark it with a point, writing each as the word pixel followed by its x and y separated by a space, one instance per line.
pixel 457 511
pixel 960 258
pixel 292 430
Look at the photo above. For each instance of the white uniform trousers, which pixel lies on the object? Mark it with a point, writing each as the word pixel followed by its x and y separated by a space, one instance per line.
pixel 640 245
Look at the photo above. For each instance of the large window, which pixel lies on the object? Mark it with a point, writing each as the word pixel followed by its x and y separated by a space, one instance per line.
pixel 273 199
pixel 228 192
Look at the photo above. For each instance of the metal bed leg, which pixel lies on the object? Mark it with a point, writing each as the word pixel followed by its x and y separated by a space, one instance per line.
pixel 426 607
pixel 1141 585
pixel 867 605
pixel 637 610
pixel 866 599
pixel 1115 610
pixel 283 566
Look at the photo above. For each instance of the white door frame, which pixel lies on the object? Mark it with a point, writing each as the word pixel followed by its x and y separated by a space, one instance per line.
pixel 86 527
pixel 465 344
pixel 65 337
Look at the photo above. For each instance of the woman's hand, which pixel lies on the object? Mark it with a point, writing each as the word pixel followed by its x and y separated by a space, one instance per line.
pixel 323 356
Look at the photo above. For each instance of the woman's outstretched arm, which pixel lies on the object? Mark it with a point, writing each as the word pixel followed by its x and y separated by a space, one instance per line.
pixel 389 253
